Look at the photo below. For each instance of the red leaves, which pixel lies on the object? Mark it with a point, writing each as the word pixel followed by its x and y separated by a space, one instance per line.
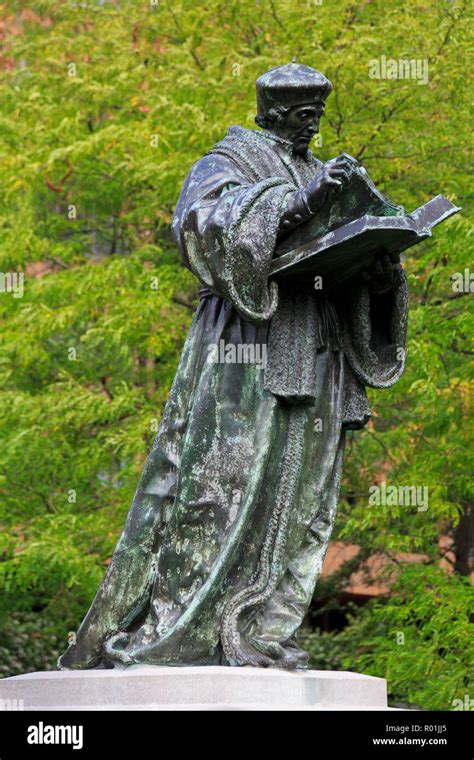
pixel 59 188
pixel 135 36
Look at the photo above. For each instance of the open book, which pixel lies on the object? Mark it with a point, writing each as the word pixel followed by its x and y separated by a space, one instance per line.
pixel 356 226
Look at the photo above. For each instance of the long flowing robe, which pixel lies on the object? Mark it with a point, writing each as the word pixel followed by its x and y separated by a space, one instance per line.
pixel 226 536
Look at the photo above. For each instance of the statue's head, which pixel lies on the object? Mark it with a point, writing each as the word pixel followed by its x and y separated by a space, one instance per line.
pixel 290 103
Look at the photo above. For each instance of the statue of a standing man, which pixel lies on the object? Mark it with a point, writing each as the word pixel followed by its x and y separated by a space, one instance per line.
pixel 226 536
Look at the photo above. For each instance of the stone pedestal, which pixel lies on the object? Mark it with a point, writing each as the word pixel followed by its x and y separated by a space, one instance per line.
pixel 193 688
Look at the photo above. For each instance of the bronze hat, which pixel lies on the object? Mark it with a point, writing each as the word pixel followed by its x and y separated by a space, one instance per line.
pixel 290 85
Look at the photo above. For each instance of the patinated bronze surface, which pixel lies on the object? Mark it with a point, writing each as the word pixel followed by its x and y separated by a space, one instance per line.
pixel 227 533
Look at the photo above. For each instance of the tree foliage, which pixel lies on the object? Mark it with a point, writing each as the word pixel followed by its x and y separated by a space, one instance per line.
pixel 105 106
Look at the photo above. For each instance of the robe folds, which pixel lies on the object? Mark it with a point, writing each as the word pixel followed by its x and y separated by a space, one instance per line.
pixel 229 526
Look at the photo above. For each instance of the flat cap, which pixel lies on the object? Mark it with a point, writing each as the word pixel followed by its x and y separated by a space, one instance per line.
pixel 290 85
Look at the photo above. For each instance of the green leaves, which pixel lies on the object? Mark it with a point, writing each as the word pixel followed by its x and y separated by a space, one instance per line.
pixel 105 107
pixel 418 638
pixel 424 647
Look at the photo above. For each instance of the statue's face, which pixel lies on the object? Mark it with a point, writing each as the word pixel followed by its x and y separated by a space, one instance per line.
pixel 300 126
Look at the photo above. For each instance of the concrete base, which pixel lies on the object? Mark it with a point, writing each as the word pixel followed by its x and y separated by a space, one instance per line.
pixel 193 688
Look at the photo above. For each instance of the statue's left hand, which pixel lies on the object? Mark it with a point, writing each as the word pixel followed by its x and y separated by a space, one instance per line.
pixel 379 276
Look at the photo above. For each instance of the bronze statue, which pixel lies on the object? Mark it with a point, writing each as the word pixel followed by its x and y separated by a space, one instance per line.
pixel 227 533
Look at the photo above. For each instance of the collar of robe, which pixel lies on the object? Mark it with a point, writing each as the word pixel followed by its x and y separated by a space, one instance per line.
pixel 287 145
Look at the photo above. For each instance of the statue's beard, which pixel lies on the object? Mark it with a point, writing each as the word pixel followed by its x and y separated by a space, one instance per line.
pixel 301 143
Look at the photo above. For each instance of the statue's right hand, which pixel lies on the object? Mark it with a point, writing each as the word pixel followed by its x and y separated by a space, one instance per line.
pixel 333 175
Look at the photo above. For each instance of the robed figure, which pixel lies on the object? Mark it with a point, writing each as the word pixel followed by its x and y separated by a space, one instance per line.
pixel 229 526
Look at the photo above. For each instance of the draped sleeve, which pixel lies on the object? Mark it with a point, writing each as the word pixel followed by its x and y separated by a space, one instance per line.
pixel 374 332
pixel 226 228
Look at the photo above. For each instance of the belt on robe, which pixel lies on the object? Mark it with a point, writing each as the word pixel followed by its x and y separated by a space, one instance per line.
pixel 205 292
pixel 303 325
